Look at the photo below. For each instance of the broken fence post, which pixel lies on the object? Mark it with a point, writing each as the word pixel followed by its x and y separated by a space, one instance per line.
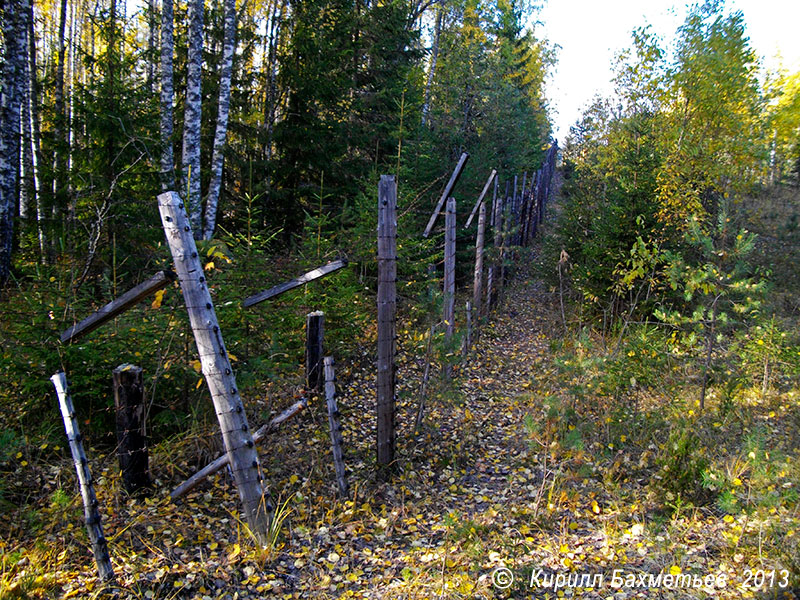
pixel 315 334
pixel 91 511
pixel 119 305
pixel 221 461
pixel 131 427
pixel 335 427
pixel 296 282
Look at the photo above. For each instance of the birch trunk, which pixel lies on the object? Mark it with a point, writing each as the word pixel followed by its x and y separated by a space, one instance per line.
pixel 60 153
pixel 15 31
pixel 167 93
pixel 426 105
pixel 190 163
pixel 221 133
pixel 36 126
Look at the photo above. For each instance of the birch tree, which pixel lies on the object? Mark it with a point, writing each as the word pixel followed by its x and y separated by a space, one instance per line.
pixel 167 93
pixel 190 163
pixel 220 135
pixel 15 30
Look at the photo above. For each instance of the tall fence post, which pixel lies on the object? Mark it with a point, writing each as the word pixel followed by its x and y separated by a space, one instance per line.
pixel 335 426
pixel 216 367
pixel 131 427
pixel 315 334
pixel 387 301
pixel 91 513
pixel 449 276
pixel 494 270
pixel 477 283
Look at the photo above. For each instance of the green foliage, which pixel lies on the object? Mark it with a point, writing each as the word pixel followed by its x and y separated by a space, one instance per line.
pixel 681 463
pixel 717 288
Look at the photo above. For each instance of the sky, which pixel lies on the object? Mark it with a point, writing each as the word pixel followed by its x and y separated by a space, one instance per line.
pixel 591 32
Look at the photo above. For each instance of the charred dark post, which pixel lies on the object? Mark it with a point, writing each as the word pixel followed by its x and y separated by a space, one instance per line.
pixel 131 428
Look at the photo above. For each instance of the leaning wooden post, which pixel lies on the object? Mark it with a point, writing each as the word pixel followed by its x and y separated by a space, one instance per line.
pixel 449 276
pixel 91 513
pixel 335 427
pixel 480 199
pixel 478 277
pixel 387 303
pixel 260 433
pixel 216 367
pixel 131 427
pixel 446 193
pixel 315 333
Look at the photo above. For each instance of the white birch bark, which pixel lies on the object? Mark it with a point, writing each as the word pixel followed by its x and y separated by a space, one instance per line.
pixel 190 162
pixel 167 94
pixel 15 32
pixel 426 105
pixel 223 111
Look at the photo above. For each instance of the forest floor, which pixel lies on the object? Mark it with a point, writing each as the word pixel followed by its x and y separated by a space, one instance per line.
pixel 514 487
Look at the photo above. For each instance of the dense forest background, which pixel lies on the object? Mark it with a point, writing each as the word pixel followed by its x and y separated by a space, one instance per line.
pixel 272 119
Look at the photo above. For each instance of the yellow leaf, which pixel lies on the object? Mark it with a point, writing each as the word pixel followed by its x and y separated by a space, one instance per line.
pixel 236 551
pixel 595 507
pixel 674 570
pixel 199 383
pixel 737 481
pixel 209 265
pixel 159 297
pixel 196 365
pixel 232 357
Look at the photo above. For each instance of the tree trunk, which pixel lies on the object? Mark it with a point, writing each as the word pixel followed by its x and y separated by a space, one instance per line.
pixel 60 149
pixel 167 93
pixel 217 157
pixel 152 41
pixel 426 105
pixel 15 30
pixel 36 127
pixel 190 163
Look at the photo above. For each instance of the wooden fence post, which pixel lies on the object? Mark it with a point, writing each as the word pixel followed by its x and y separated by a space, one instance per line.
pixel 131 427
pixel 449 276
pixel 477 283
pixel 514 220
pixel 91 513
pixel 494 201
pixel 335 427
pixel 387 303
pixel 216 367
pixel 315 334
pixel 494 269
